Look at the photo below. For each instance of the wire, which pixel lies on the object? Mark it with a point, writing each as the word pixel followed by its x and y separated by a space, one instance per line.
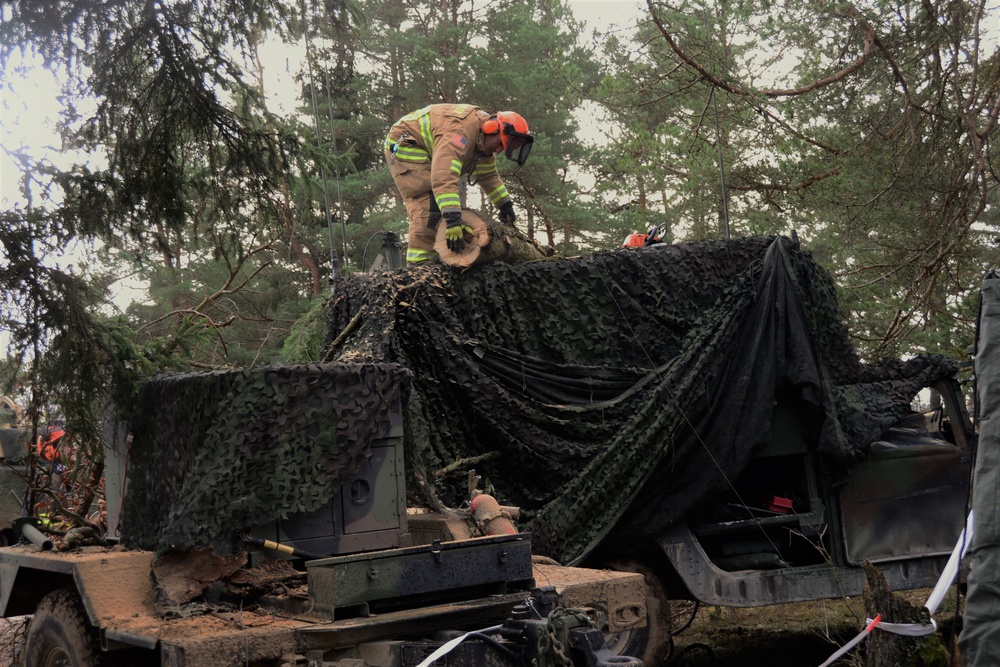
pixel 718 144
pixel 364 255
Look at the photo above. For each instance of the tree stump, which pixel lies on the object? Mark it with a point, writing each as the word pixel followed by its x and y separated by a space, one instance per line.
pixel 491 241
pixel 886 649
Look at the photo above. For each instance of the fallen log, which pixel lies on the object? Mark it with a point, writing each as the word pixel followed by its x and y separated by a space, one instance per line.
pixel 490 241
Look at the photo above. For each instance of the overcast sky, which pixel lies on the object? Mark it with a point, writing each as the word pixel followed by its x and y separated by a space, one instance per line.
pixel 28 114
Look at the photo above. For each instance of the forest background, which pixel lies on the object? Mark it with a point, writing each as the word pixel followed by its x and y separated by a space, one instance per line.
pixel 865 128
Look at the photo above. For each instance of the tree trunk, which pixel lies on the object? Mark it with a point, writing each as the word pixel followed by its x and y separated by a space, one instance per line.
pixel 886 649
pixel 491 241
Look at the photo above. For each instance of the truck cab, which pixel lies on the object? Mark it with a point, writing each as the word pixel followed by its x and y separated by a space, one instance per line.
pixel 796 527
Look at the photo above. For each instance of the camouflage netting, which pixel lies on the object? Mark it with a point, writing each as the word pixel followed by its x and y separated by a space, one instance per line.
pixel 13 463
pixel 609 395
pixel 215 453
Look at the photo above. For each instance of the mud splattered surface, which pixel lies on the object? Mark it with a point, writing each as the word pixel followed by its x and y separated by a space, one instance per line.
pixel 799 635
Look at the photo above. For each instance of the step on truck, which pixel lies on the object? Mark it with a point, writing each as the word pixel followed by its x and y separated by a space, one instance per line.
pixel 258 518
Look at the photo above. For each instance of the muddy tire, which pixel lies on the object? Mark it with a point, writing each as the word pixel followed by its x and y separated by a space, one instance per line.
pixel 59 635
pixel 652 643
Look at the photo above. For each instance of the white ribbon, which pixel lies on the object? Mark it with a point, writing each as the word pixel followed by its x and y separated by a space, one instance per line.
pixel 450 645
pixel 951 569
pixel 909 629
pixel 933 601
pixel 905 629
pixel 854 642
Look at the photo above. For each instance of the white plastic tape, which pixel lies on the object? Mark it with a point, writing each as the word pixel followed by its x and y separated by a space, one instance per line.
pixel 933 601
pixel 854 642
pixel 450 645
pixel 951 569
pixel 909 629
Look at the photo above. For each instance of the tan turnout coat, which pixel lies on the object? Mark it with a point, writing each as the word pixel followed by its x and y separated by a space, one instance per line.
pixel 428 152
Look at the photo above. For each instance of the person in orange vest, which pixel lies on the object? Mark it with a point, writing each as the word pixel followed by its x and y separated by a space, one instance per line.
pixel 428 151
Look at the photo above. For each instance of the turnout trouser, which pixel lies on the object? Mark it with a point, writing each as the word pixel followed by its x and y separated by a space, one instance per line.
pixel 413 180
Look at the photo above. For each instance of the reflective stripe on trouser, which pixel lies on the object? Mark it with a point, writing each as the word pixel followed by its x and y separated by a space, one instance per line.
pixel 414 183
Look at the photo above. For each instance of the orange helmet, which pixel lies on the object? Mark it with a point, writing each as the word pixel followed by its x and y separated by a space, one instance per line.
pixel 514 135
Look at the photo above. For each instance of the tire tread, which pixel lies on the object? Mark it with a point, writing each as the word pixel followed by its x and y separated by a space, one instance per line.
pixel 60 619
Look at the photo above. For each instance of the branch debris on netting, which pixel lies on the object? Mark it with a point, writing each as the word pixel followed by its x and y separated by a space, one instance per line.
pixel 608 395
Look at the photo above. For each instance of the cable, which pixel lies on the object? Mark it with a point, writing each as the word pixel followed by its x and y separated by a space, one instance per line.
pixel 718 144
pixel 279 547
pixel 364 255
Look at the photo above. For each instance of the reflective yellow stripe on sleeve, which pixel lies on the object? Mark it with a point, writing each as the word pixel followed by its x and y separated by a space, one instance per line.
pixel 413 115
pixel 448 200
pixel 456 167
pixel 498 194
pixel 485 169
pixel 425 131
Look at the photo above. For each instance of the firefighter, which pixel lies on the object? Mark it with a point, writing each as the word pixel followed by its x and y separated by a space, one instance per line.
pixel 429 150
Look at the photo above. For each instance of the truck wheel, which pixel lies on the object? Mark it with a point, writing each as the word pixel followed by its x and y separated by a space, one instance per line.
pixel 652 644
pixel 59 636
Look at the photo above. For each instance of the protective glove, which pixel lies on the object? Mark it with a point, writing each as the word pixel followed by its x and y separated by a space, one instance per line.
pixel 507 214
pixel 456 231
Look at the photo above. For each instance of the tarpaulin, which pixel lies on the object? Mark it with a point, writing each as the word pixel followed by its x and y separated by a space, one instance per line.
pixel 609 395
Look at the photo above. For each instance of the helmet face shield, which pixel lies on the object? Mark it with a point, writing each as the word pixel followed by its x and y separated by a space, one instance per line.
pixel 517 145
pixel 514 135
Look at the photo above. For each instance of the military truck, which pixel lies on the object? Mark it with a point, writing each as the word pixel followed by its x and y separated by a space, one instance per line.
pixel 258 517
pixel 694 412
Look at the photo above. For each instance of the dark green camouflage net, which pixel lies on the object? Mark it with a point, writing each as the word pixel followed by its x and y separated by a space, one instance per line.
pixel 215 453
pixel 611 394
pixel 13 467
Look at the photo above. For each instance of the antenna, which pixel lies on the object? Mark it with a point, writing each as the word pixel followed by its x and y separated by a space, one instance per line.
pixel 340 201
pixel 718 145
pixel 722 166
pixel 334 262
